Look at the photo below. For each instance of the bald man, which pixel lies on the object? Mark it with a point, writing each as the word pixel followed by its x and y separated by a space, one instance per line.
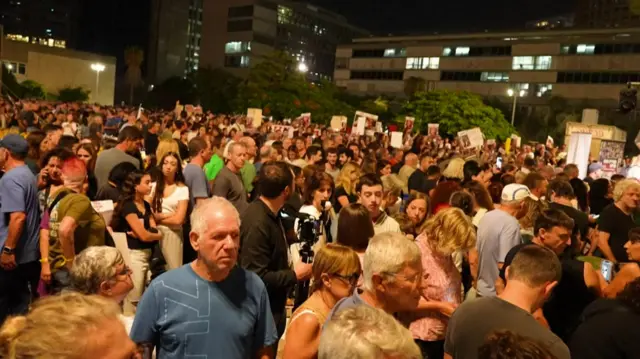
pixel 410 165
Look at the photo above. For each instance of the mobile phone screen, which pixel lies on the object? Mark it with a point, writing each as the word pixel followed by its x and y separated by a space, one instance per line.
pixel 499 162
pixel 606 268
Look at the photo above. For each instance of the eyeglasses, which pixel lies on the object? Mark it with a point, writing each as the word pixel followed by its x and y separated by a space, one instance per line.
pixel 351 279
pixel 124 272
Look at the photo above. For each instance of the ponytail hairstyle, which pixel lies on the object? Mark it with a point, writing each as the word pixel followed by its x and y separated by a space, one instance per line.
pixel 127 194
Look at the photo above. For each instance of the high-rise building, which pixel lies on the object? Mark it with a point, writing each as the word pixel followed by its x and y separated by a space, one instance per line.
pixel 238 32
pixel 174 38
pixel 46 22
pixel 607 13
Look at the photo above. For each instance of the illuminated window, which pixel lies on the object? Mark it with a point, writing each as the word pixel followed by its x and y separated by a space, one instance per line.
pixel 285 15
pixel 17 37
pixel 494 77
pixel 462 51
pixel 236 61
pixel 235 47
pixel 585 49
pixel 543 90
pixel 565 49
pixel 523 62
pixel 521 89
pixel 446 51
pixel 422 63
pixel 399 52
pixel 543 62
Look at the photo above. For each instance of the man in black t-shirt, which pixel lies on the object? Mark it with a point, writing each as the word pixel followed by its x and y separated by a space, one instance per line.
pixel 580 283
pixel 418 181
pixel 560 193
pixel 616 220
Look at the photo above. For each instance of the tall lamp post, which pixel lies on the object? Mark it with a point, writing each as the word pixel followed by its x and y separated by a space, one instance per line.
pixel 98 68
pixel 515 96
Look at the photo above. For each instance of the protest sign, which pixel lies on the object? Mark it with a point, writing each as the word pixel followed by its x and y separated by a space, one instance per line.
pixel 471 138
pixel 255 117
pixel 378 126
pixel 339 123
pixel 396 139
pixel 433 129
pixel 360 125
pixel 408 124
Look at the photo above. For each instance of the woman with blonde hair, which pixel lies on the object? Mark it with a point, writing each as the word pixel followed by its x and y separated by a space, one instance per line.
pixel 346 186
pixel 534 208
pixel 68 326
pixel 447 232
pixel 336 270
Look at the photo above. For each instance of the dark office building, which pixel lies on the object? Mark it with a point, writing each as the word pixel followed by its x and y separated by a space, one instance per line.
pixel 174 38
pixel 238 31
pixel 607 13
pixel 46 22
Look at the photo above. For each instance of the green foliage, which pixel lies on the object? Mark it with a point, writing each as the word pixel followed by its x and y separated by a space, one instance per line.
pixel 216 89
pixel 457 111
pixel 32 89
pixel 275 86
pixel 73 94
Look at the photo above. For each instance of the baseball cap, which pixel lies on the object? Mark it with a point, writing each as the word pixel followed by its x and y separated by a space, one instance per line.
pixel 594 167
pixel 515 192
pixel 15 144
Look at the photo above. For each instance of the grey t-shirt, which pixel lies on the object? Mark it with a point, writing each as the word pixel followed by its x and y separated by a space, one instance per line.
pixel 498 232
pixel 229 185
pixel 474 320
pixel 196 180
pixel 109 159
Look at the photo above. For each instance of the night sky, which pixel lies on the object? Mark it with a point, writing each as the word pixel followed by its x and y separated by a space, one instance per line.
pixel 421 16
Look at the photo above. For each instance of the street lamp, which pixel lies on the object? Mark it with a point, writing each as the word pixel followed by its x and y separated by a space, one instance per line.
pixel 302 67
pixel 98 68
pixel 512 93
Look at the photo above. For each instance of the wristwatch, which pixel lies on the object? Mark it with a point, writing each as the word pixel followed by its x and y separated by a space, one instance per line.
pixel 8 250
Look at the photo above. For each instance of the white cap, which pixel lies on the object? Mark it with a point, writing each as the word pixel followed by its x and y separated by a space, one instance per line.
pixel 515 192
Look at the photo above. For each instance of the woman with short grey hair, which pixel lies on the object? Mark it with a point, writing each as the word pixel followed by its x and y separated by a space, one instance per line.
pixel 101 270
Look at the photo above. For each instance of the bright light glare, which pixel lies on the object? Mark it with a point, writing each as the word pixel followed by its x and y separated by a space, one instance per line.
pixel 510 92
pixel 521 93
pixel 302 67
pixel 97 67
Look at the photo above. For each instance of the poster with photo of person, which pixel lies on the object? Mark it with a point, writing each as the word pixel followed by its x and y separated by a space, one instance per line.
pixel 433 129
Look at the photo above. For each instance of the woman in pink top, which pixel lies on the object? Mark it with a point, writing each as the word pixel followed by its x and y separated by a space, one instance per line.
pixel 445 233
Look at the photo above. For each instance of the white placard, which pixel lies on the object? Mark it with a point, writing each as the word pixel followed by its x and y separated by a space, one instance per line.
pixel 378 126
pixel 255 114
pixel 291 132
pixel 338 123
pixel 360 124
pixel 104 209
pixel 471 138
pixel 396 139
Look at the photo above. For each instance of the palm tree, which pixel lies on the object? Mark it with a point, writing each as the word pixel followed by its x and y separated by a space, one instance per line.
pixel 133 57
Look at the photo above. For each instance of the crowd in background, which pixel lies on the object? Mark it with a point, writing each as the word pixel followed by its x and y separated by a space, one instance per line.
pixel 430 250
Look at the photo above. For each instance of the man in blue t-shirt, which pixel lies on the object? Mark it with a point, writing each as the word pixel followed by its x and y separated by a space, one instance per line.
pixel 19 219
pixel 209 308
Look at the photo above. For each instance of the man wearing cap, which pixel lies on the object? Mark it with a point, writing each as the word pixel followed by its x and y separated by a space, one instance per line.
pixel 498 232
pixel 19 219
pixel 594 171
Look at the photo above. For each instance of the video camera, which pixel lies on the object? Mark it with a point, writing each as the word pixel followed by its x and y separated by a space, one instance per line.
pixel 308 229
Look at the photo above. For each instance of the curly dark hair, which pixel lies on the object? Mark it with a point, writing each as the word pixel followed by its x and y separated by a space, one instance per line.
pixel 509 345
pixel 630 295
pixel 156 202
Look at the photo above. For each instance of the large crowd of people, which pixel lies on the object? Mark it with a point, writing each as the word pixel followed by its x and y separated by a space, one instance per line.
pixel 136 234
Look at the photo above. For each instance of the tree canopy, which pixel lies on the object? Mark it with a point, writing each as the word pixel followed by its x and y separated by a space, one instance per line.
pixel 457 111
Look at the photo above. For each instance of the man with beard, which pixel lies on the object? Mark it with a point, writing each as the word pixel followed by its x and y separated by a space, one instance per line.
pixel 129 143
pixel 210 307
pixel 331 166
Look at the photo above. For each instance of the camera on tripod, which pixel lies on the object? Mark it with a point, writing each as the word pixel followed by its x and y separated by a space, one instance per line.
pixel 308 230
